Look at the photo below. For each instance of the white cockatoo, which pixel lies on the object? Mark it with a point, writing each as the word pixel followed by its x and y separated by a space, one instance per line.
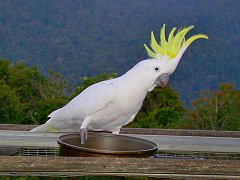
pixel 111 104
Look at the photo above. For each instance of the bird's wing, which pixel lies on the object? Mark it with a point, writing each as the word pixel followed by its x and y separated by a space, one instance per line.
pixel 90 101
pixel 53 113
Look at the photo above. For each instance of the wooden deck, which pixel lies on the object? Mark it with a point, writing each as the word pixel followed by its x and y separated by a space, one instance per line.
pixel 177 132
pixel 80 166
pixel 164 142
pixel 167 140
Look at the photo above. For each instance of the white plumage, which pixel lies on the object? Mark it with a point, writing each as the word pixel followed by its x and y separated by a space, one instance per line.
pixel 107 105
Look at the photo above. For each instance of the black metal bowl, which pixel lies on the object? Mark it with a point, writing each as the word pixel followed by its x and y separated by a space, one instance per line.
pixel 105 145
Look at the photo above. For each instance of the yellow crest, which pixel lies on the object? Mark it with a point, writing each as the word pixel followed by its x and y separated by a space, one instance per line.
pixel 173 44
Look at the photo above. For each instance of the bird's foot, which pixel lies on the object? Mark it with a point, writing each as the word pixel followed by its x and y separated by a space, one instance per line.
pixel 83 135
pixel 116 131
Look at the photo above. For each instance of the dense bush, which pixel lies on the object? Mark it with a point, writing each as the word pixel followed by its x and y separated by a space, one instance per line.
pixel 216 109
pixel 27 97
pixel 162 108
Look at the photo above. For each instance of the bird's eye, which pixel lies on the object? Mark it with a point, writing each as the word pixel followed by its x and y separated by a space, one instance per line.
pixel 156 69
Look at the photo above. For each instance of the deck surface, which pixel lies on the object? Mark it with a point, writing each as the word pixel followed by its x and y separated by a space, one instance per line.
pixel 167 140
pixel 164 142
pixel 80 166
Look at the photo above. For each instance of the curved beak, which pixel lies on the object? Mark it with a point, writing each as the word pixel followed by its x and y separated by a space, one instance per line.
pixel 162 80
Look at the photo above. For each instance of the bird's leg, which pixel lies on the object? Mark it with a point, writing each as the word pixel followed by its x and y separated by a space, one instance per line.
pixel 83 131
pixel 83 135
pixel 116 131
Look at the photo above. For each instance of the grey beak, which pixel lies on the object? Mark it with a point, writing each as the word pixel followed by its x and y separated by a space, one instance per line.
pixel 162 80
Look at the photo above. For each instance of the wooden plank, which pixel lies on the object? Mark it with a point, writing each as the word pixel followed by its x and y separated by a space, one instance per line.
pixel 180 132
pixel 77 166
pixel 193 143
pixel 164 142
pixel 28 139
pixel 152 131
pixel 17 127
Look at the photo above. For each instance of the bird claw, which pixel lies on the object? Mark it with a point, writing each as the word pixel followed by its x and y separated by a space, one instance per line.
pixel 83 135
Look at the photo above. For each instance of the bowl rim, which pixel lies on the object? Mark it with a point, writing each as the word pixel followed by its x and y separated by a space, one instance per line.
pixel 99 151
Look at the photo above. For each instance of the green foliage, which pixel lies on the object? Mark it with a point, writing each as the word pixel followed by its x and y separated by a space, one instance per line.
pixel 26 96
pixel 162 108
pixel 86 38
pixel 10 108
pixel 216 110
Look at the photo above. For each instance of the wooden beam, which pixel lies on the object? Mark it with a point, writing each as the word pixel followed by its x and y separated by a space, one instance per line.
pixel 152 131
pixel 164 142
pixel 17 127
pixel 77 166
pixel 193 143
pixel 181 132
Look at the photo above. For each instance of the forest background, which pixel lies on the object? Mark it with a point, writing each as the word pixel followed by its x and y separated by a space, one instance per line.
pixel 64 46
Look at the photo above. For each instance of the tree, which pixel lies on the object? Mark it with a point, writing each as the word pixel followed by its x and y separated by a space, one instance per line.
pixel 53 96
pixel 10 108
pixel 216 109
pixel 26 96
pixel 161 108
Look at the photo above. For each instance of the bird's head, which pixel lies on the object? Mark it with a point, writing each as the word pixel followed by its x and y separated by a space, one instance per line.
pixel 153 73
pixel 166 55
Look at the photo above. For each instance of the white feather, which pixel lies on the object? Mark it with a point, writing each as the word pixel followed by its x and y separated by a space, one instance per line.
pixel 110 104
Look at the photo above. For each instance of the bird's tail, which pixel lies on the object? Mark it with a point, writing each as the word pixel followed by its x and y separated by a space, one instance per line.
pixel 47 127
pixel 50 125
pixel 57 126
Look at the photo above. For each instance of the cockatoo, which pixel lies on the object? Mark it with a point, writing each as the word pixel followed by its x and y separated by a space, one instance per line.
pixel 111 104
